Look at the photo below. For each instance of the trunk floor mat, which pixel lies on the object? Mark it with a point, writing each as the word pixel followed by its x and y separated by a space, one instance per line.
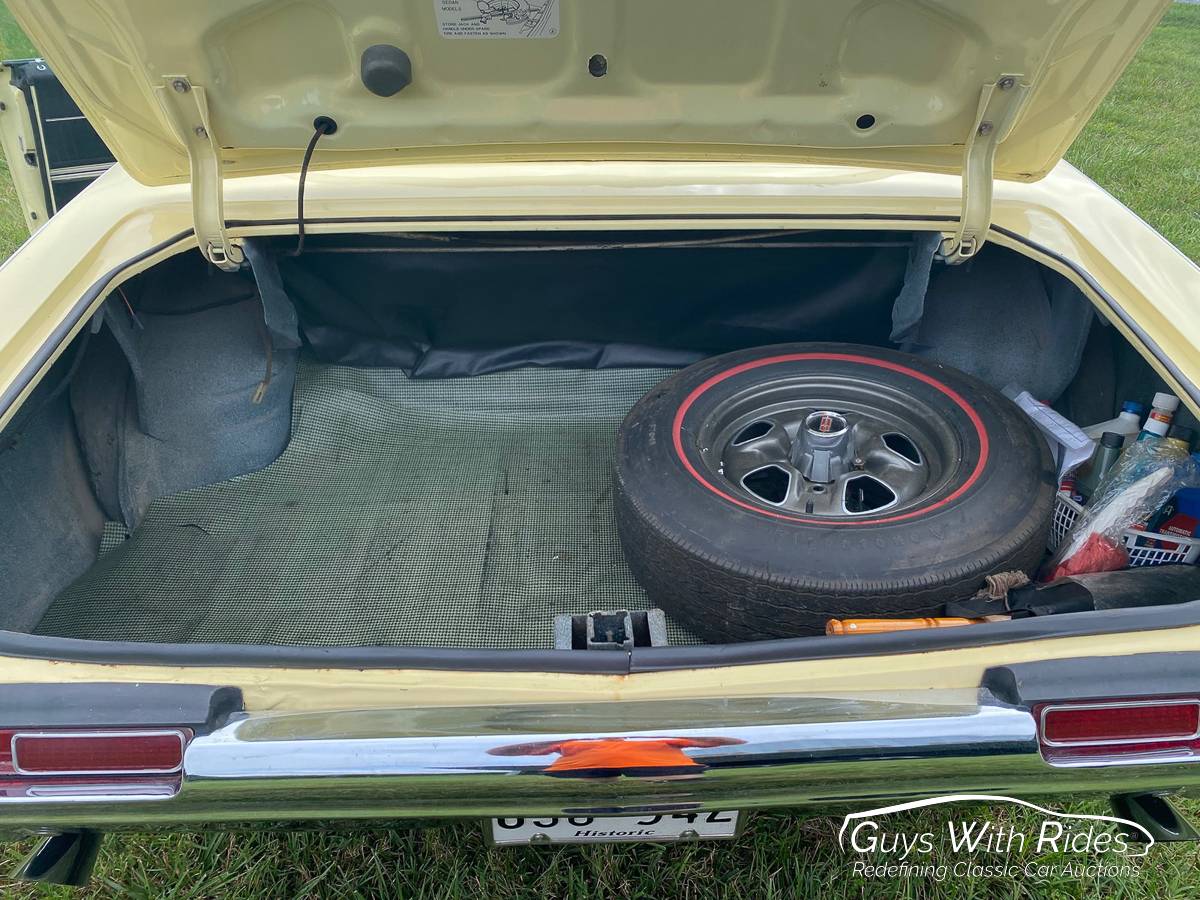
pixel 454 513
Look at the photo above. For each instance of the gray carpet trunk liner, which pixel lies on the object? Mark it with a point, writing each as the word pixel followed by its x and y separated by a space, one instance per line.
pixel 455 513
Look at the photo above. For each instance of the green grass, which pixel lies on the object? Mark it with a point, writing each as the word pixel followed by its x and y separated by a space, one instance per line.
pixel 775 857
pixel 12 217
pixel 13 45
pixel 1142 145
pixel 12 220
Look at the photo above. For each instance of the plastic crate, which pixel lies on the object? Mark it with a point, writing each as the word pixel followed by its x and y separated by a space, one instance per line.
pixel 1140 544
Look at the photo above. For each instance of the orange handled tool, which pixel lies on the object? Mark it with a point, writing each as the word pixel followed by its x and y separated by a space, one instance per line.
pixel 883 626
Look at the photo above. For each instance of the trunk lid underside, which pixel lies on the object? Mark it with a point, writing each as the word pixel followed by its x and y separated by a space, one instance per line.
pixel 901 84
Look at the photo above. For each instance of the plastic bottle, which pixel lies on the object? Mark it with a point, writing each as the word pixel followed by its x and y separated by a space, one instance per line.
pixel 1069 487
pixel 1161 412
pixel 1180 515
pixel 1182 436
pixel 1107 453
pixel 1128 423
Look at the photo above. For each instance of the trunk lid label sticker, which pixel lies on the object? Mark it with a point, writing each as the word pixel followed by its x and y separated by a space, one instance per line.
pixel 497 18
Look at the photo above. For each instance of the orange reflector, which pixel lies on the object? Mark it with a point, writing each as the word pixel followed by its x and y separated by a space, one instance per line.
pixel 98 753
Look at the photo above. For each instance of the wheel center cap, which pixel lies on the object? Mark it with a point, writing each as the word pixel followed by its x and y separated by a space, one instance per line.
pixel 823 448
pixel 825 424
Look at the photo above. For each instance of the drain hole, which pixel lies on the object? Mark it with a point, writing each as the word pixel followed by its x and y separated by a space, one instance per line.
pixel 902 446
pixel 865 494
pixel 769 483
pixel 751 432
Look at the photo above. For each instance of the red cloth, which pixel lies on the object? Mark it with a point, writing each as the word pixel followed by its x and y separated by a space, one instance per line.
pixel 1098 554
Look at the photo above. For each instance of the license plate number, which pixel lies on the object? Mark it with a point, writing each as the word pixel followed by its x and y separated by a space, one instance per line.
pixel 610 829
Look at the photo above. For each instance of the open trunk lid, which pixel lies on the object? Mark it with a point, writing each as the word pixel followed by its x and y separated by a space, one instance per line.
pixel 899 83
pixel 985 90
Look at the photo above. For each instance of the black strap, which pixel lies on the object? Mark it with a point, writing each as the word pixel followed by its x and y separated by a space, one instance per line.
pixel 1063 596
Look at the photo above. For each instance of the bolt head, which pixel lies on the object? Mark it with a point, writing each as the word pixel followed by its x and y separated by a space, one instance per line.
pixel 180 86
pixel 985 128
pixel 200 132
pixel 1007 83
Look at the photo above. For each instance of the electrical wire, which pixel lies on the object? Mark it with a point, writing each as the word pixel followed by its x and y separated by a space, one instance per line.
pixel 323 125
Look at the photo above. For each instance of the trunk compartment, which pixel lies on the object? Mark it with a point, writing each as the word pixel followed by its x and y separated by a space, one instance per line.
pixel 407 440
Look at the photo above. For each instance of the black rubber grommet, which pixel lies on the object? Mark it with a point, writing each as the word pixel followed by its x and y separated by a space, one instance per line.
pixel 385 70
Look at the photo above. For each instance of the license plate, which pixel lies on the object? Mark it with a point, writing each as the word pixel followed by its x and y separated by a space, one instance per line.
pixel 684 826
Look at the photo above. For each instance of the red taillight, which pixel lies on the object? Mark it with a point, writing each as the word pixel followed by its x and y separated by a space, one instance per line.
pixel 1087 724
pixel 98 753
pixel 1120 730
pixel 81 764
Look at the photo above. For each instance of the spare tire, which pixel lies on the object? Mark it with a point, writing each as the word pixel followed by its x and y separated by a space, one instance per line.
pixel 762 492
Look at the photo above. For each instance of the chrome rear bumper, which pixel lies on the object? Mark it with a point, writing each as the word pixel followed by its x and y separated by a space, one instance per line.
pixel 508 761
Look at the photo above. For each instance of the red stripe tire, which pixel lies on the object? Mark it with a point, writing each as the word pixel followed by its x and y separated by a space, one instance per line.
pixel 731 567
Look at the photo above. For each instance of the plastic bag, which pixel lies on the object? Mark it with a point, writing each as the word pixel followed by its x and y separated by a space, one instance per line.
pixel 1095 542
pixel 1140 459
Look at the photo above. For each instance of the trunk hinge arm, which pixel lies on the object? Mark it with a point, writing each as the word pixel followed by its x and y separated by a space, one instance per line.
pixel 998 105
pixel 186 106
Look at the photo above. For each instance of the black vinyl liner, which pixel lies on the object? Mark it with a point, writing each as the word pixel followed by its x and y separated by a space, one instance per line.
pixel 592 662
pixel 402 302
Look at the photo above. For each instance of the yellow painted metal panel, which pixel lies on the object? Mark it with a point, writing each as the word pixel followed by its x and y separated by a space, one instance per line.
pixel 282 688
pixel 892 83
pixel 16 141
